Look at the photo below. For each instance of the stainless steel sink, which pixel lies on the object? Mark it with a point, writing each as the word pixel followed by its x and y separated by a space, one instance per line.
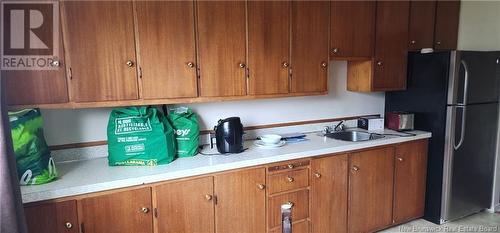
pixel 354 136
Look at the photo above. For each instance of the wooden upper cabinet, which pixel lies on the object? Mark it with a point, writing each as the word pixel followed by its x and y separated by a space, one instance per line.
pixel 126 211
pixel 310 28
pixel 58 217
pixel 329 194
pixel 409 180
pixel 446 30
pixel 421 29
pixel 241 204
pixel 391 45
pixel 221 48
pixel 166 39
pixel 180 203
pixel 352 29
pixel 100 48
pixel 371 190
pixel 269 47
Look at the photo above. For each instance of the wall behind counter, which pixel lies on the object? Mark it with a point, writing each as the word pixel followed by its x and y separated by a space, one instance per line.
pixel 86 125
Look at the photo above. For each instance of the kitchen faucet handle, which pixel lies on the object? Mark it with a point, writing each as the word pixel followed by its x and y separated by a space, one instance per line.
pixel 339 126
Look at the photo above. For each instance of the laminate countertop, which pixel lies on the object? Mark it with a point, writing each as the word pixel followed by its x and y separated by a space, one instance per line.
pixel 94 175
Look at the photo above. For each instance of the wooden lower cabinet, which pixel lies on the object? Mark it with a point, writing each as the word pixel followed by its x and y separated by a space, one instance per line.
pixel 127 211
pixel 180 203
pixel 241 201
pixel 300 207
pixel 58 217
pixel 370 189
pixel 410 167
pixel 329 194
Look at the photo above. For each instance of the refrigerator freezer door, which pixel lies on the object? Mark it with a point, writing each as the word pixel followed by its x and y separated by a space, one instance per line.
pixel 473 78
pixel 469 159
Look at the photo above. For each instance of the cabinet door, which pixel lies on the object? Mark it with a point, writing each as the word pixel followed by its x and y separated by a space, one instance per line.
pixel 409 180
pixel 310 23
pixel 99 38
pixel 329 194
pixel 446 30
pixel 352 28
pixel 59 217
pixel 167 48
pixel 421 29
pixel 370 190
pixel 241 204
pixel 269 47
pixel 221 51
pixel 391 45
pixel 181 203
pixel 43 86
pixel 127 211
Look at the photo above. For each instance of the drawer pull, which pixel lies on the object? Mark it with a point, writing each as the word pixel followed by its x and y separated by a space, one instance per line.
pixel 317 174
pixel 145 210
pixel 290 179
pixel 355 168
pixel 208 197
pixel 400 159
pixel 261 186
pixel 290 166
pixel 68 225
pixel 290 203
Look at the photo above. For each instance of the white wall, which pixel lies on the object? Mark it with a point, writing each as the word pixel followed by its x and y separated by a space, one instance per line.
pixel 479 25
pixel 72 126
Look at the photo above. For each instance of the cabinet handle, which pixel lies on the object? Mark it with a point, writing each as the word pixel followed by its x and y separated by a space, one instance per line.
pixel 335 50
pixel 290 166
pixel 190 64
pixel 290 179
pixel 438 42
pixel 317 174
pixel 413 42
pixel 400 159
pixel 55 63
pixel 129 63
pixel 208 197
pixel 290 203
pixel 380 63
pixel 145 210
pixel 355 168
pixel 261 186
pixel 242 65
pixel 285 64
pixel 68 225
pixel 324 64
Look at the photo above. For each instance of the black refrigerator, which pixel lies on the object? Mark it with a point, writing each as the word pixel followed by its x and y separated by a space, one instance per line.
pixel 454 95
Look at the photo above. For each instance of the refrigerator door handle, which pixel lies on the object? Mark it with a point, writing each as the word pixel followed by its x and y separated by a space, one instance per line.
pixel 462 130
pixel 466 81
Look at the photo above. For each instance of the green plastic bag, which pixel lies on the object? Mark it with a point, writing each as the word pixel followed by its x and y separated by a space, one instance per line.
pixel 139 136
pixel 34 162
pixel 187 131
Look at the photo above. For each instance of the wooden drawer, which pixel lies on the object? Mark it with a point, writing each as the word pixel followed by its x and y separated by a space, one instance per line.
pixel 288 166
pixel 300 209
pixel 287 181
pixel 299 227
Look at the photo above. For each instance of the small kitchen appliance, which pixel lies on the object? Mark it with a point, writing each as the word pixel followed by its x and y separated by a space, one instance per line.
pixel 371 123
pixel 229 135
pixel 399 121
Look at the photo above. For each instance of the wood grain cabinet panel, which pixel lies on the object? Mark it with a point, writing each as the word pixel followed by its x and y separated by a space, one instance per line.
pixel 58 217
pixel 221 50
pixel 100 47
pixel 181 203
pixel 409 180
pixel 447 19
pixel 352 29
pixel 391 45
pixel 287 181
pixel 241 203
pixel 421 29
pixel 269 47
pixel 166 37
pixel 310 28
pixel 329 194
pixel 371 190
pixel 126 211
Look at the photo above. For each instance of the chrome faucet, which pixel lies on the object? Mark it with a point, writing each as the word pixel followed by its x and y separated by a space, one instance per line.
pixel 339 126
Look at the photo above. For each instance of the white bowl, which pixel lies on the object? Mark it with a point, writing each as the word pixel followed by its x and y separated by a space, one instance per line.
pixel 270 138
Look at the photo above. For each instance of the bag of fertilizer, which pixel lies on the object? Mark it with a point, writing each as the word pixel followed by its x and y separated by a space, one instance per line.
pixel 185 124
pixel 139 136
pixel 34 162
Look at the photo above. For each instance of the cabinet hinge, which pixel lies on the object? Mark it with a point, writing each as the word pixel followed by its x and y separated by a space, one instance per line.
pixel 248 73
pixel 290 73
pixel 156 212
pixel 140 72
pixel 215 200
pixel 82 229
pixel 70 73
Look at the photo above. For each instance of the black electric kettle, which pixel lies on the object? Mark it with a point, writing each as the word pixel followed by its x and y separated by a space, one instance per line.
pixel 229 135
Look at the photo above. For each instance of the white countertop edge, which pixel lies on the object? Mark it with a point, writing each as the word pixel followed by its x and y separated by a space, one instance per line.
pixel 130 182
